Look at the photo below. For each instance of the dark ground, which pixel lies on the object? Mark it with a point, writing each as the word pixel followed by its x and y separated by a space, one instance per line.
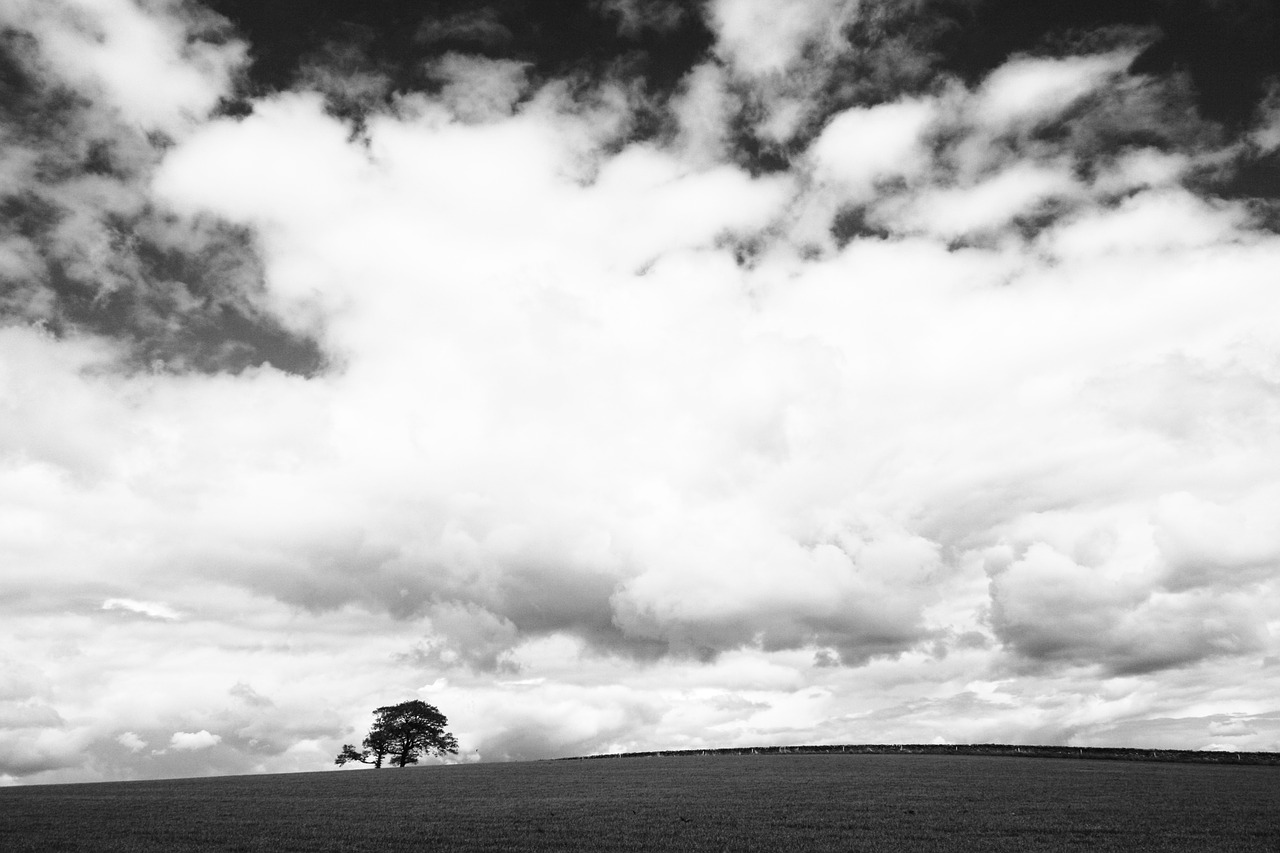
pixel 849 802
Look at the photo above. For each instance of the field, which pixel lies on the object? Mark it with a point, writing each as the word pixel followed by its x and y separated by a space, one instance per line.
pixel 724 802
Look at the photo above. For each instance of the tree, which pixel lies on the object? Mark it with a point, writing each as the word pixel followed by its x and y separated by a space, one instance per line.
pixel 402 733
pixel 376 746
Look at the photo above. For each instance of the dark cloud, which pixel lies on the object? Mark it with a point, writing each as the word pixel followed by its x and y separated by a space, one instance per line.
pixel 1052 611
pixel 854 223
pixel 19 760
pixel 33 735
pixel 88 251
pixel 479 613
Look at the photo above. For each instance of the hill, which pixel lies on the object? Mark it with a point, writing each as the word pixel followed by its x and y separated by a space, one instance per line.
pixel 811 802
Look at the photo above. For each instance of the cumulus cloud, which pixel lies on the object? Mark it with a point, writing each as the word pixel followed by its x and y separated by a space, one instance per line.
pixel 131 742
pixel 781 403
pixel 866 145
pixel 163 67
pixel 191 741
pixel 1047 607
pixel 762 38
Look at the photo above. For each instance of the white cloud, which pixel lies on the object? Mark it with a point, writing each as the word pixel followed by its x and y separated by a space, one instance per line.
pixel 991 203
pixel 1149 222
pixel 865 145
pixel 153 609
pixel 1027 90
pixel 131 742
pixel 704 109
pixel 287 140
pixel 191 741
pixel 1201 540
pixel 764 38
pixel 156 64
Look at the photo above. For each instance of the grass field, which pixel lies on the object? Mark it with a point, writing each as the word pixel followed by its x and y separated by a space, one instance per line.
pixel 765 802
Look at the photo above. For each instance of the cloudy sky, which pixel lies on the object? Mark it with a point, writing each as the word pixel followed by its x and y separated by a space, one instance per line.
pixel 635 374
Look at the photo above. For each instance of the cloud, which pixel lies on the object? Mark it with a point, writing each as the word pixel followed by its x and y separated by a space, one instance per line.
pixel 34 737
pixel 866 145
pixel 767 38
pixel 833 389
pixel 1200 541
pixel 1231 728
pixel 636 16
pixel 191 741
pixel 1149 223
pixel 151 609
pixel 467 635
pixel 28 753
pixel 704 110
pixel 131 742
pixel 1048 608
pixel 863 597
pixel 1029 91
pixel 249 696
pixel 559 721
pixel 162 68
pixel 477 89
pixel 991 204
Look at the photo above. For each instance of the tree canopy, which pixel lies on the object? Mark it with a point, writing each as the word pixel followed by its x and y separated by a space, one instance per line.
pixel 402 734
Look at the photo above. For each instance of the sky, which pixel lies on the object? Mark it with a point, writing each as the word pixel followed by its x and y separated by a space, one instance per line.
pixel 635 374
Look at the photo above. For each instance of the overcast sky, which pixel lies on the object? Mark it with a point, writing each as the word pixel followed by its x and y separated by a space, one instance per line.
pixel 637 374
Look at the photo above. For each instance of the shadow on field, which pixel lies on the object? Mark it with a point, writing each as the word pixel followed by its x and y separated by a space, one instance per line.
pixel 814 802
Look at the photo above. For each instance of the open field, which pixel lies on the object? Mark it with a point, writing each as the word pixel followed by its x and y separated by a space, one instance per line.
pixel 853 802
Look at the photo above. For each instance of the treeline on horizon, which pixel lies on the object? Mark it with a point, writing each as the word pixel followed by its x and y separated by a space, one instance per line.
pixel 996 749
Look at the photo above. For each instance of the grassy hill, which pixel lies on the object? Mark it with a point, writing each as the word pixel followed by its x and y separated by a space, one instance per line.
pixel 811 802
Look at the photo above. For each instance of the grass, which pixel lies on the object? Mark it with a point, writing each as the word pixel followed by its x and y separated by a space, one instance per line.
pixel 724 802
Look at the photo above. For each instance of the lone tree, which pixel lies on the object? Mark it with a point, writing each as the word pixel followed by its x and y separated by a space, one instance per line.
pixel 401 734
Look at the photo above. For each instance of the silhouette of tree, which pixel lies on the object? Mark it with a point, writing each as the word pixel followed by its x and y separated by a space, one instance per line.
pixel 376 746
pixel 402 734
